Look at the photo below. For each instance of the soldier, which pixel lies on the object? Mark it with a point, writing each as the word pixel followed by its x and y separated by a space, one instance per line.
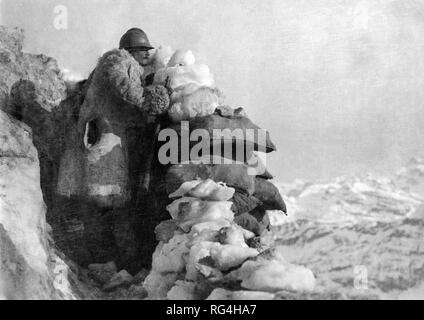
pixel 135 41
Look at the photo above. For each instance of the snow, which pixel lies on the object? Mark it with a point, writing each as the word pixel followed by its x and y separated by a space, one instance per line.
pixel 356 227
pixel 206 190
pixel 210 190
pixel 276 275
pixel 184 188
pixel 182 58
pixel 158 284
pixel 161 57
pixel 107 142
pixel 229 256
pixel 350 200
pixel 189 211
pixel 193 86
pixel 183 290
pixel 215 225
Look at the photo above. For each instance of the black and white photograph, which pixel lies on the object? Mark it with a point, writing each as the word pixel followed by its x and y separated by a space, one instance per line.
pixel 231 150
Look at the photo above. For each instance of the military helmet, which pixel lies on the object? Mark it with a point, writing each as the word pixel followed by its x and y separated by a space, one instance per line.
pixel 135 38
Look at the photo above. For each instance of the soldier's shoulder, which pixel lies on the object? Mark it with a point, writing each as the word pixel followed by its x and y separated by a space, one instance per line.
pixel 116 64
pixel 114 56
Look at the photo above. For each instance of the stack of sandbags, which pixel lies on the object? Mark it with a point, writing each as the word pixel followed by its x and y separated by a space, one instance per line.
pixel 195 106
pixel 196 101
pixel 202 249
pixel 254 194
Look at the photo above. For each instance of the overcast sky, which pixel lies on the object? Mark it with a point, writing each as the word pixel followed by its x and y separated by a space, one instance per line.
pixel 338 83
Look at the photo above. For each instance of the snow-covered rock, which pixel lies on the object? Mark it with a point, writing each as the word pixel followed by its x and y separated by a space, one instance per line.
pixel 29 268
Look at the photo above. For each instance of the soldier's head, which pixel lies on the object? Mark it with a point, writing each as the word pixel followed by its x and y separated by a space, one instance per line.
pixel 135 41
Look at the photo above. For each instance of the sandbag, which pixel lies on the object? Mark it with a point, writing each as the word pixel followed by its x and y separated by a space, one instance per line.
pixel 193 101
pixel 243 203
pixel 234 175
pixel 266 175
pixel 216 121
pixel 269 195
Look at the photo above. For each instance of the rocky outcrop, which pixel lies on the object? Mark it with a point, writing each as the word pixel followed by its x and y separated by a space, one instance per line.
pixel 31 89
pixel 40 70
pixel 29 267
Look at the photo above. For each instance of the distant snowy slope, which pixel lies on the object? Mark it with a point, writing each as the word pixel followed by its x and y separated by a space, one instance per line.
pixel 361 236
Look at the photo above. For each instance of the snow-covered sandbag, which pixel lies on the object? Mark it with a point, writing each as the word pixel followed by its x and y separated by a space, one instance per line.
pixel 165 230
pixel 207 211
pixel 170 257
pixel 174 208
pixel 210 211
pixel 204 235
pixel 235 235
pixel 198 251
pixel 190 211
pixel 210 190
pixel 183 290
pixel 206 190
pixel 232 235
pixel 229 256
pixel 181 70
pixel 234 175
pixel 161 57
pixel 211 274
pixel 182 58
pixel 192 85
pixel 158 284
pixel 274 274
pixel 185 188
pixel 194 101
pixel 215 225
